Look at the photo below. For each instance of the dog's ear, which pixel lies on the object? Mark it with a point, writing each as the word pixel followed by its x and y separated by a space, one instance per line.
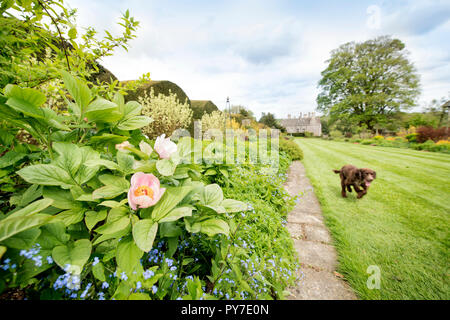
pixel 374 174
pixel 360 174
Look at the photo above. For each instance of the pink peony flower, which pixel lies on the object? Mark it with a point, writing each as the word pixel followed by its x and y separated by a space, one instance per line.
pixel 145 191
pixel 123 145
pixel 164 147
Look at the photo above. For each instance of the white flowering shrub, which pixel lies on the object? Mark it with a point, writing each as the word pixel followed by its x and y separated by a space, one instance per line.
pixel 214 120
pixel 167 112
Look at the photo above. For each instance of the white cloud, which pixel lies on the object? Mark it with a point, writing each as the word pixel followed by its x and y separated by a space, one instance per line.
pixel 264 55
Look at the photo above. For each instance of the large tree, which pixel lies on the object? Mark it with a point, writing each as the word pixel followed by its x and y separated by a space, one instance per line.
pixel 368 82
pixel 270 121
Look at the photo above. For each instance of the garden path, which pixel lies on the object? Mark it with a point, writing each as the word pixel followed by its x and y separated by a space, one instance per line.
pixel 312 241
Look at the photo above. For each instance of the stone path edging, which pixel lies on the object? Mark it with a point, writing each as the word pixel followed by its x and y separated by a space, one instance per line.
pixel 313 243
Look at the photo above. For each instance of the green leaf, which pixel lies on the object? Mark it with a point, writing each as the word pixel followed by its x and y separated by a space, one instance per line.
pixel 71 216
pixel 111 165
pixel 171 198
pixel 115 235
pixel 53 234
pixel 144 233
pixel 131 109
pixel 113 204
pixel 46 174
pixel 72 33
pixel 128 254
pixel 103 110
pixel 75 254
pixel 231 205
pixel 62 199
pixel 31 209
pixel 214 226
pixel 114 186
pixel 210 172
pixel 211 195
pixel 165 167
pixel 134 123
pixel 23 240
pixel 78 90
pixel 117 220
pixel 14 225
pixel 2 251
pixel 173 245
pixel 99 271
pixel 93 217
pixel 169 230
pixel 177 213
pixel 31 194
pixel 10 158
pixel 86 173
pixel 25 100
pixel 69 157
pixel 125 162
pixel 139 296
pixel 108 138
pixel 191 225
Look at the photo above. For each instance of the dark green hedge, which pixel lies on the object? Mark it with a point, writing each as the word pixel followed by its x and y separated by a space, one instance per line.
pixel 200 107
pixel 162 86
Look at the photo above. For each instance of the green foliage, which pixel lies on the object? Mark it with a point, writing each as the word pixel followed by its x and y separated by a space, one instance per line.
pixel 200 107
pixel 291 149
pixel 40 37
pixel 412 137
pixel 336 134
pixel 368 82
pixel 163 87
pixel 168 113
pixel 270 121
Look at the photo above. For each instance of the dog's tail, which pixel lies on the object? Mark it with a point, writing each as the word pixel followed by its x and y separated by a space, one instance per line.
pixel 337 171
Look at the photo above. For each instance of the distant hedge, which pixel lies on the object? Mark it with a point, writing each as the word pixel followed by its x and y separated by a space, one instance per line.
pixel 103 75
pixel 162 86
pixel 200 107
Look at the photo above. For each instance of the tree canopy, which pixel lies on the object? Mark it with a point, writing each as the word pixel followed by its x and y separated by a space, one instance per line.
pixel 269 120
pixel 365 83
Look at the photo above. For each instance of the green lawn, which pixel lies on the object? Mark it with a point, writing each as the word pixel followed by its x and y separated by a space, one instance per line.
pixel 401 225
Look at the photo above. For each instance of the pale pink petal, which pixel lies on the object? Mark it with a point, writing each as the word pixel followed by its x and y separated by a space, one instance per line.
pixel 131 200
pixel 144 201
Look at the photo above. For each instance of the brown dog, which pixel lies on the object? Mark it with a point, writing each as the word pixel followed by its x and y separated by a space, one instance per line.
pixel 352 176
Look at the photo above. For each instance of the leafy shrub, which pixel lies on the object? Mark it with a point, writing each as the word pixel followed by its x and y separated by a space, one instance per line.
pixel 167 112
pixel 412 137
pixel 82 230
pixel 200 107
pixel 164 87
pixel 378 137
pixel 309 134
pixel 430 133
pixel 272 258
pixel 214 120
pixel 427 145
pixel 74 217
pixel 367 141
pixel 336 134
pixel 443 143
pixel 291 148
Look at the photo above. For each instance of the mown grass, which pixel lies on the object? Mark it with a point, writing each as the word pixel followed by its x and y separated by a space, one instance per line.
pixel 401 225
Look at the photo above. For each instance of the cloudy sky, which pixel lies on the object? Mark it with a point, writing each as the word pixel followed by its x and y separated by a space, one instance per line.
pixel 267 55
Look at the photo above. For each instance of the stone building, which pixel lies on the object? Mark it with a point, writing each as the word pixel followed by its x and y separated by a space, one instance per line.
pixel 307 122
